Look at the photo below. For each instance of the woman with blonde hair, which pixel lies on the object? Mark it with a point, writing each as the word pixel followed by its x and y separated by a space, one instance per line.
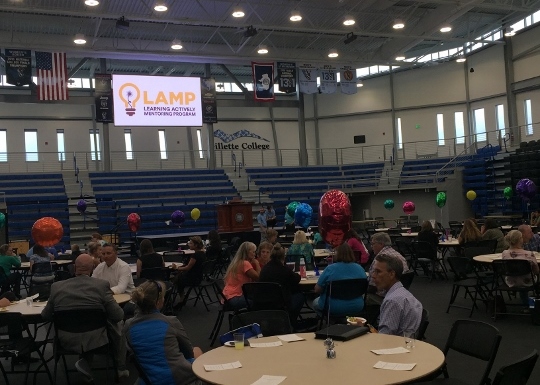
pixel 470 232
pixel 94 249
pixel 159 342
pixel 243 268
pixel 301 246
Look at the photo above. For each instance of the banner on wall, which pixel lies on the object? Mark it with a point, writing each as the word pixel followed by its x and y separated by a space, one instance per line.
pixel 157 101
pixel 328 79
pixel 104 98
pixel 18 67
pixel 348 80
pixel 263 80
pixel 209 104
pixel 287 76
pixel 307 79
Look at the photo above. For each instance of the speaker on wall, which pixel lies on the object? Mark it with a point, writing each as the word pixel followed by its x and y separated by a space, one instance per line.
pixel 359 139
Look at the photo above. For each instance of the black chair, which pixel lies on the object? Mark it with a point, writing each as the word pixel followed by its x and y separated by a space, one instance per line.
pixel 201 288
pixel 490 244
pixel 516 373
pixel 138 366
pixel 407 279
pixel 173 256
pixel 264 296
pixel 272 322
pixel 465 277
pixel 426 256
pixel 404 247
pixel 424 322
pixel 80 321
pixel 345 289
pixel 455 228
pixel 225 308
pixel 156 273
pixel 43 269
pixel 14 345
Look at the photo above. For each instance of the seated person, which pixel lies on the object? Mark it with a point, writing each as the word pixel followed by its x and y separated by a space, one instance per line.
pixel 358 247
pixel 301 246
pixel 531 241
pixel 94 249
pixel 75 251
pixel 400 310
pixel 114 270
pixel 271 236
pixel 190 274
pixel 7 261
pixel 263 256
pixel 243 268
pixel 41 256
pixel 344 267
pixel 213 248
pixel 149 258
pixel 159 342
pixel 470 232
pixel 491 230
pixel 426 234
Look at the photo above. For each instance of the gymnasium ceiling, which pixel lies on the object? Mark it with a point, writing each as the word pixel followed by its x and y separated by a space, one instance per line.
pixel 209 33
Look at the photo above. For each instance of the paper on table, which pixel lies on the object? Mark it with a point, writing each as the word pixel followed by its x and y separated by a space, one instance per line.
pixel 391 351
pixel 393 366
pixel 231 365
pixel 269 380
pixel 265 344
pixel 290 338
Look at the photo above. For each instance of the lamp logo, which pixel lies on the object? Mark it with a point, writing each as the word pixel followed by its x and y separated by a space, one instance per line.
pixel 130 95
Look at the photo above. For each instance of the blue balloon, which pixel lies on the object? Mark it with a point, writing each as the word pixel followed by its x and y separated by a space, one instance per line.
pixel 302 215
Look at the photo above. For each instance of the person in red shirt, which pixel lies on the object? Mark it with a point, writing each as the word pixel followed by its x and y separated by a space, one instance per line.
pixel 358 247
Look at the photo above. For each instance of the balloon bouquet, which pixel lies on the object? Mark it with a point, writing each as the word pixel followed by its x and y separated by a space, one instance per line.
pixel 335 217
pixel 526 190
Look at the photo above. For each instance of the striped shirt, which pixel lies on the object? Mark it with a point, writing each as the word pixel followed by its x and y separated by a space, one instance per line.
pixel 400 311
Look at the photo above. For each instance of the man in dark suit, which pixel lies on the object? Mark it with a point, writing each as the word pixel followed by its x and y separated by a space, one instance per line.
pixel 82 291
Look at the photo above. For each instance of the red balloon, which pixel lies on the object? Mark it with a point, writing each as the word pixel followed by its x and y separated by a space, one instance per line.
pixel 47 231
pixel 409 207
pixel 134 222
pixel 334 217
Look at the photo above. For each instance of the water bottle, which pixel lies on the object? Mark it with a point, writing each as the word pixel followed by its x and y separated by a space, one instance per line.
pixel 303 268
pixel 316 269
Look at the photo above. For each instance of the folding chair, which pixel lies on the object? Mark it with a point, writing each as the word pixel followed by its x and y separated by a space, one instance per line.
pixel 466 277
pixel 264 296
pixel 347 290
pixel 516 373
pixel 272 322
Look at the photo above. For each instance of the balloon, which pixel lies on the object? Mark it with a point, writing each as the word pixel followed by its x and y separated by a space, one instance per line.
pixel 47 231
pixel 440 200
pixel 389 204
pixel 334 217
pixel 81 206
pixel 178 217
pixel 302 215
pixel 507 192
pixel 134 222
pixel 409 207
pixel 526 189
pixel 291 208
pixel 288 219
pixel 471 195
pixel 2 220
pixel 195 214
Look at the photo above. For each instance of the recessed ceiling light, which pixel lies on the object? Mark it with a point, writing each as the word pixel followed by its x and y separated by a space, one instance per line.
pixel 398 24
pixel 461 59
pixel 348 20
pixel 446 28
pixel 262 49
pixel 333 53
pixel 400 57
pixel 91 3
pixel 79 39
pixel 295 16
pixel 509 32
pixel 238 12
pixel 176 44
pixel 160 7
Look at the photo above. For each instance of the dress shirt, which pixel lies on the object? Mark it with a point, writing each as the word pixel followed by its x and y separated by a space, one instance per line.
pixel 261 220
pixel 387 250
pixel 118 275
pixel 533 244
pixel 400 311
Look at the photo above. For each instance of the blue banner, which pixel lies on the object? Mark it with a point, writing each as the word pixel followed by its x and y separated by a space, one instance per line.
pixel 263 80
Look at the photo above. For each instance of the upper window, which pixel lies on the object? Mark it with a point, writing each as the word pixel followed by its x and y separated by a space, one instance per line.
pixel 440 129
pixel 459 124
pixel 162 144
pixel 129 147
pixel 3 146
pixel 400 137
pixel 60 145
pixel 528 118
pixel 499 115
pixel 480 125
pixel 94 145
pixel 199 142
pixel 31 145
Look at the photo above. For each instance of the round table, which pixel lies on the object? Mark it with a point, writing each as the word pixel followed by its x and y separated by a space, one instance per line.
pixel 305 362
pixel 488 258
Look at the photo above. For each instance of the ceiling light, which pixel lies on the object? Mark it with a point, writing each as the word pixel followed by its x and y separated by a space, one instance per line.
pixel 238 12
pixel 295 16
pixel 79 39
pixel 160 7
pixel 461 59
pixel 262 49
pixel 398 24
pixel 446 28
pixel 176 44
pixel 91 3
pixel 333 53
pixel 359 84
pixel 348 20
pixel 400 57
pixel 509 32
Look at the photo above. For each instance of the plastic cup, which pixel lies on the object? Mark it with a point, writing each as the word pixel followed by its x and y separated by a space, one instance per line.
pixel 29 302
pixel 410 337
pixel 291 265
pixel 239 341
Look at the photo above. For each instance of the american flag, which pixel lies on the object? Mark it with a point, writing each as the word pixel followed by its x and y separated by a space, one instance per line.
pixel 52 75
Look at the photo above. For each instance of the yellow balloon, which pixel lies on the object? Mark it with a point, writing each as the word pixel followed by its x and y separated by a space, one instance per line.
pixel 195 214
pixel 471 195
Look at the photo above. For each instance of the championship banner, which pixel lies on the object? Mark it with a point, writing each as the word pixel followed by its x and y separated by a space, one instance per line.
pixel 18 67
pixel 348 80
pixel 208 97
pixel 263 79
pixel 328 79
pixel 104 98
pixel 307 79
pixel 287 77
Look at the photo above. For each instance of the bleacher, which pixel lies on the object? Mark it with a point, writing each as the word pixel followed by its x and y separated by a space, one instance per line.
pixel 422 171
pixel 525 164
pixel 155 195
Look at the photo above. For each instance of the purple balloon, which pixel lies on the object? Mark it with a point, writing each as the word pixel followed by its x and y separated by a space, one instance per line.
pixel 81 206
pixel 178 217
pixel 526 189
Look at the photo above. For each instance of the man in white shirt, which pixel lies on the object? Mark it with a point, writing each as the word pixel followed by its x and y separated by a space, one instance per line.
pixel 114 270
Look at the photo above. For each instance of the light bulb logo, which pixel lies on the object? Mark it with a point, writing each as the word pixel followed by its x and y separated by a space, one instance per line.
pixel 129 94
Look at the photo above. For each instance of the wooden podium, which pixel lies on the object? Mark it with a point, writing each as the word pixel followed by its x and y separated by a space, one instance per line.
pixel 236 215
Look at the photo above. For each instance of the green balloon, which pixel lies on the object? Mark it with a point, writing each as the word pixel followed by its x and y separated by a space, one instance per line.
pixel 291 208
pixel 508 192
pixel 389 204
pixel 441 199
pixel 2 220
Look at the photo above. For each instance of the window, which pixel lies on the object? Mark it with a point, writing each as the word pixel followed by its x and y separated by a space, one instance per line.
pixel 94 145
pixel 162 144
pixel 528 118
pixel 440 129
pixel 400 138
pixel 60 144
pixel 480 125
pixel 199 142
pixel 3 146
pixel 499 115
pixel 31 145
pixel 459 124
pixel 129 148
